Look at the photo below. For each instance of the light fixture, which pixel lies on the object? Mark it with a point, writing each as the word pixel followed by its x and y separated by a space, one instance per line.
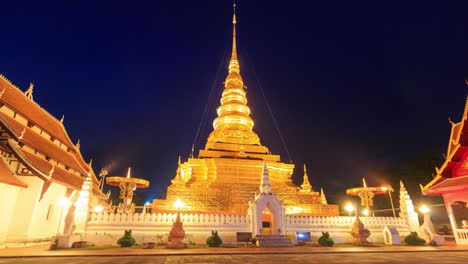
pixel 349 208
pixel 98 209
pixel 424 209
pixel 365 212
pixel 64 202
pixel 178 204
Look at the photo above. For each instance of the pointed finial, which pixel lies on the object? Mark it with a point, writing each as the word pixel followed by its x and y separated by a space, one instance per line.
pixel 234 15
pixel 178 162
pixel 234 63
pixel 364 184
pixel 128 172
pixel 306 186
pixel 265 186
pixel 323 199
pixel 78 144
pixel 90 163
pixel 61 119
pixel 193 149
pixel 29 92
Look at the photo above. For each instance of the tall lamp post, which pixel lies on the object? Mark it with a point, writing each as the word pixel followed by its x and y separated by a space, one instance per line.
pixel 389 189
pixel 63 202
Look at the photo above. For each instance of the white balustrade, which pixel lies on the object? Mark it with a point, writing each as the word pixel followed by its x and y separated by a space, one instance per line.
pixel 110 222
pixel 164 218
pixel 461 236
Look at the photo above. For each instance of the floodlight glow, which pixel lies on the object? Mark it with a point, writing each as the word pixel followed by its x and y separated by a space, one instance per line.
pixel 178 204
pixel 63 202
pixel 424 209
pixel 349 208
pixel 98 209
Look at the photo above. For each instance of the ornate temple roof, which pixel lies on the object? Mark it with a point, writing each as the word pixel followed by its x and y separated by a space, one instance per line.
pixel 7 177
pixel 39 139
pixel 15 99
pixel 451 176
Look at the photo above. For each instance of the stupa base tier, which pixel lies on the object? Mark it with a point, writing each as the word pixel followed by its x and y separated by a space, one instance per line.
pixel 258 149
pixel 236 154
pixel 234 199
pixel 205 172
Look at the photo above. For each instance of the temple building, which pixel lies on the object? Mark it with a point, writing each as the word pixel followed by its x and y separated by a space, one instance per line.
pixel 451 179
pixel 39 167
pixel 225 175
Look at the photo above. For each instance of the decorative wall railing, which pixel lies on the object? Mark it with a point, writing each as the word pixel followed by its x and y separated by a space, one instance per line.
pixel 368 222
pixel 106 228
pixel 220 219
pixel 461 236
pixel 165 218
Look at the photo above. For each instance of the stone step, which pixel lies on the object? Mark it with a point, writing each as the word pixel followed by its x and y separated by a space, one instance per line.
pixel 274 241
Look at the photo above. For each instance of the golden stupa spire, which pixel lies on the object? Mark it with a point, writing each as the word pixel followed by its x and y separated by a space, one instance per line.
pixel 306 186
pixel 233 124
pixel 234 63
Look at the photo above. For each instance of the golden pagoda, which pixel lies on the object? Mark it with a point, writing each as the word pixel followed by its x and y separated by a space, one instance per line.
pixel 227 173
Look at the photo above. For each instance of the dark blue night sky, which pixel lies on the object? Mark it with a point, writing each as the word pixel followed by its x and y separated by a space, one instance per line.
pixel 354 85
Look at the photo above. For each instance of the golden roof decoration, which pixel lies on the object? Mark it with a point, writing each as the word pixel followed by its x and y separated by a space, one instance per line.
pixel 29 91
pixel 234 124
pixel 306 186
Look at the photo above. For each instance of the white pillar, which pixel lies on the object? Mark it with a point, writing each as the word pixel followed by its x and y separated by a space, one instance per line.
pixel 82 206
pixel 453 222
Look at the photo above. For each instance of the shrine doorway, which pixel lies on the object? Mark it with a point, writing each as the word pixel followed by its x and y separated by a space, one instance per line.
pixel 267 215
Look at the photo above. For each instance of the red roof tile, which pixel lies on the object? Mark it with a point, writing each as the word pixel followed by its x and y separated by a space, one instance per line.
pixel 7 177
pixel 64 177
pixel 456 163
pixel 59 175
pixel 44 145
pixel 43 165
pixel 16 100
pixel 453 185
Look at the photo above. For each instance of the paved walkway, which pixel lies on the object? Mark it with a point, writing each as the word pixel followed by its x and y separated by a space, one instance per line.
pixel 42 251
pixel 431 257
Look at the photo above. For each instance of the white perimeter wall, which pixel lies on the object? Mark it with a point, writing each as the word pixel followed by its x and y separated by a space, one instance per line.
pixel 106 229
